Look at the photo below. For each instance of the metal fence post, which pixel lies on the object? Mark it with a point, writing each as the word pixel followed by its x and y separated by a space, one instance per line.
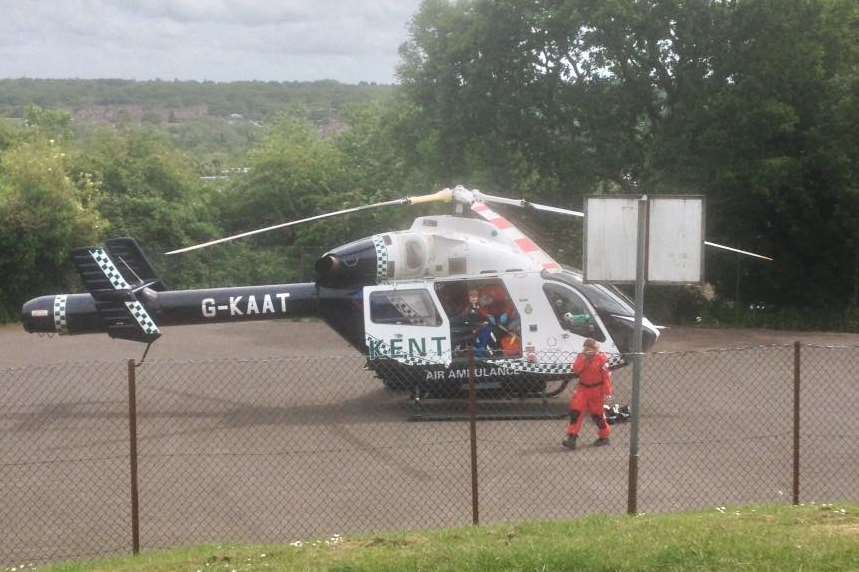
pixel 638 362
pixel 132 429
pixel 472 425
pixel 796 378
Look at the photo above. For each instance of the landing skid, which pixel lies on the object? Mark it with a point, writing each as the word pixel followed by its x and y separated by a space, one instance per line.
pixel 502 406
pixel 496 416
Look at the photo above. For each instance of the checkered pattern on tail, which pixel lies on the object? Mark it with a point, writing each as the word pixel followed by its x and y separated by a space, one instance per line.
pixel 60 320
pixel 138 312
pixel 135 308
pixel 381 259
pixel 109 268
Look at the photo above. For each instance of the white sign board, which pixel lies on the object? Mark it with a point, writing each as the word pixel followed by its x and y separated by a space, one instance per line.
pixel 675 249
pixel 611 233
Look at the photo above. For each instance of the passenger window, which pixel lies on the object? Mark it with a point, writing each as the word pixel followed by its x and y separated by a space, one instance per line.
pixel 572 313
pixel 408 307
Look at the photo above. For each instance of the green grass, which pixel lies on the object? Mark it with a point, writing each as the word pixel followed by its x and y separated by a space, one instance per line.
pixel 812 537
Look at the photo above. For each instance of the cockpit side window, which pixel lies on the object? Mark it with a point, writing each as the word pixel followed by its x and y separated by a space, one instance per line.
pixel 408 307
pixel 572 313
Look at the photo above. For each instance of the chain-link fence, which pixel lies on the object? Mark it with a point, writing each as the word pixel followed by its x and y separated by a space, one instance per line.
pixel 64 472
pixel 278 450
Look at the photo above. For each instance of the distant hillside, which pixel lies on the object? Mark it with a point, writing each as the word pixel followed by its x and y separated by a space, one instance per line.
pixel 216 123
pixel 109 100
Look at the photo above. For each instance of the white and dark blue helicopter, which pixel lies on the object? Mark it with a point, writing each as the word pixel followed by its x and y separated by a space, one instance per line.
pixel 410 300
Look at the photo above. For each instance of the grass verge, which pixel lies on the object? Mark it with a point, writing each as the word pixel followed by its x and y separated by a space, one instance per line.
pixel 810 537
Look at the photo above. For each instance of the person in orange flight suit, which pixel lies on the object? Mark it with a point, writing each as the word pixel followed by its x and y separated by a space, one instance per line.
pixel 593 390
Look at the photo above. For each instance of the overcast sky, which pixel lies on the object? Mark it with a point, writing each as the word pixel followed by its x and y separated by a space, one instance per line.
pixel 218 40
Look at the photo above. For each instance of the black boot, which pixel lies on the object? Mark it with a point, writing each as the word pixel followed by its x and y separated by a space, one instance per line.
pixel 569 442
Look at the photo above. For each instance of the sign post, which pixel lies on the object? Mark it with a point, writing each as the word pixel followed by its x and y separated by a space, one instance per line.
pixel 637 357
pixel 668 242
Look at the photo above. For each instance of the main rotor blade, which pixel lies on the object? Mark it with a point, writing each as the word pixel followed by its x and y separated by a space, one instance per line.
pixel 528 204
pixel 286 224
pixel 737 250
pixel 445 195
pixel 556 210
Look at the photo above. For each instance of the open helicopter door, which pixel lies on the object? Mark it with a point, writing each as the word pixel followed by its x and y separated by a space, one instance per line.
pixel 403 322
pixel 481 314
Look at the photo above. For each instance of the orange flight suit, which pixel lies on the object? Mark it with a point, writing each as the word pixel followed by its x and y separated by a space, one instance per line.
pixel 594 385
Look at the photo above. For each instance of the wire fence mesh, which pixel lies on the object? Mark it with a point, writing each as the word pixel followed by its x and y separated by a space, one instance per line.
pixel 64 483
pixel 829 448
pixel 717 428
pixel 284 449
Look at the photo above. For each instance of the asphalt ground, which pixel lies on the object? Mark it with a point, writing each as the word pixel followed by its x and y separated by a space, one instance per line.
pixel 273 432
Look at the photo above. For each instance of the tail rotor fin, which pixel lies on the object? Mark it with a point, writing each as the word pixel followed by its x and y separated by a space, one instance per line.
pixel 133 264
pixel 121 313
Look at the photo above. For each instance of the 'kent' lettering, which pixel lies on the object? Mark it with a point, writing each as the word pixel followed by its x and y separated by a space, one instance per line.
pixel 376 348
pixel 399 347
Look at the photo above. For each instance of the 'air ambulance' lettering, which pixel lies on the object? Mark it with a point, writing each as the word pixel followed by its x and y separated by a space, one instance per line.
pixel 448 374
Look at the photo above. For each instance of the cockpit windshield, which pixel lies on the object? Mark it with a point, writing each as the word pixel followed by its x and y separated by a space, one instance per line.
pixel 572 312
pixel 606 299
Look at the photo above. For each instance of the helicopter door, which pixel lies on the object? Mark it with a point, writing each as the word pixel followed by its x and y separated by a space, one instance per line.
pixel 577 318
pixel 482 314
pixel 403 322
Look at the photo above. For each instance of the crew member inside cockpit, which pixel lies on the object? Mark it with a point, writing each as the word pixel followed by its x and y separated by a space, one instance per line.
pixel 571 313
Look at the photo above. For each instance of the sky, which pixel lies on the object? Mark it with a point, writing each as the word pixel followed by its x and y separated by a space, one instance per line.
pixel 216 40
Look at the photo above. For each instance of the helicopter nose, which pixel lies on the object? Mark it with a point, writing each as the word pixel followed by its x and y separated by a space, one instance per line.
pixel 37 315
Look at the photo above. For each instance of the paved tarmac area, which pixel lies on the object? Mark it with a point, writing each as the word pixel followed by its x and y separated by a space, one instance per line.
pixel 274 432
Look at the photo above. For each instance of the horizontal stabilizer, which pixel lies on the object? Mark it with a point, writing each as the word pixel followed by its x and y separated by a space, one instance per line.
pixel 121 313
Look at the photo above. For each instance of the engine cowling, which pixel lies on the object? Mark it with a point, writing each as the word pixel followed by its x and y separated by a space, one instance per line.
pixel 359 263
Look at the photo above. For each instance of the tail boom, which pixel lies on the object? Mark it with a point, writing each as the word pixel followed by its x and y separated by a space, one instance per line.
pixel 71 314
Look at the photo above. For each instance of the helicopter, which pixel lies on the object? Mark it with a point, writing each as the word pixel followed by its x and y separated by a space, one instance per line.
pixel 412 300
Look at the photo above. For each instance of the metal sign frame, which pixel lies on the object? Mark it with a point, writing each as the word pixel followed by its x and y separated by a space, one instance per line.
pixel 656 198
pixel 585 264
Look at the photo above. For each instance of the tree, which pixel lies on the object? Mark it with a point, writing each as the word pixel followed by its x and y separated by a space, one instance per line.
pixel 43 214
pixel 776 155
pixel 54 123
pixel 745 101
pixel 150 191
